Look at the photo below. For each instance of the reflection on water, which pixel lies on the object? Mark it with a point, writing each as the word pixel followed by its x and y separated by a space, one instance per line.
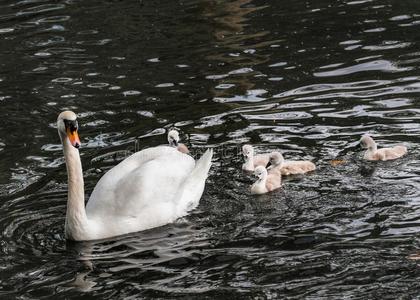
pixel 306 77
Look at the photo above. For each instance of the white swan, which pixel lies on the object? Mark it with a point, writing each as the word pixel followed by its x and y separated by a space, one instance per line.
pixel 373 153
pixel 173 140
pixel 252 161
pixel 150 188
pixel 290 167
pixel 265 182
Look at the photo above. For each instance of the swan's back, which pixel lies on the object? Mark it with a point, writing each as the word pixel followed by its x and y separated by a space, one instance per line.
pixel 261 160
pixel 297 167
pixel 273 182
pixel 146 181
pixel 391 153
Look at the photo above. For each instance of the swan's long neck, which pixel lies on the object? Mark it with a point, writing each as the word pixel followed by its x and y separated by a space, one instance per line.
pixel 279 164
pixel 262 181
pixel 76 219
pixel 373 147
pixel 249 162
pixel 370 152
pixel 259 186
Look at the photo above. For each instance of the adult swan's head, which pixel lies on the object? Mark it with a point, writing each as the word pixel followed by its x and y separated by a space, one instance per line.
pixel 68 127
pixel 125 200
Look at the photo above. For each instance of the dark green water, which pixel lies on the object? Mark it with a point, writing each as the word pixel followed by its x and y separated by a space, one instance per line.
pixel 306 77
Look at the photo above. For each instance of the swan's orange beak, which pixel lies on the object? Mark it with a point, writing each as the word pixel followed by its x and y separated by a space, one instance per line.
pixel 73 138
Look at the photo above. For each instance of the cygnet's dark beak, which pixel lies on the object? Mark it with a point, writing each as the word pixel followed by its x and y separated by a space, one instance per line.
pixel 269 164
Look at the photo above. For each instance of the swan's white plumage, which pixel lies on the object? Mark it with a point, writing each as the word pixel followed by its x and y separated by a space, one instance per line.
pixel 150 188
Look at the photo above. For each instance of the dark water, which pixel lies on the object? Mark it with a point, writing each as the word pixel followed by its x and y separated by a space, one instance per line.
pixel 306 77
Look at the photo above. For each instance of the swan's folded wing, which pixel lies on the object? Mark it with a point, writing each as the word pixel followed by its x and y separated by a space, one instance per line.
pixel 400 150
pixel 273 182
pixel 192 188
pixel 391 153
pixel 147 178
pixel 297 167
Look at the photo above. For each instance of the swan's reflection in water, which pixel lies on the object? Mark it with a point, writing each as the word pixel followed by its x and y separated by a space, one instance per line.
pixel 159 251
pixel 250 73
pixel 81 283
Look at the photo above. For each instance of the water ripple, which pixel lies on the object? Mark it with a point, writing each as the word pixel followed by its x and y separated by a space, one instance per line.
pixel 376 65
pixel 308 79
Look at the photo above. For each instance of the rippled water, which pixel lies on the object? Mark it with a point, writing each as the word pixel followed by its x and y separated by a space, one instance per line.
pixel 306 77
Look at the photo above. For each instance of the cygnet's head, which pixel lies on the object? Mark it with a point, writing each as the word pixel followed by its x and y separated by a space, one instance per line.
pixel 247 151
pixel 276 159
pixel 367 142
pixel 67 128
pixel 173 138
pixel 260 172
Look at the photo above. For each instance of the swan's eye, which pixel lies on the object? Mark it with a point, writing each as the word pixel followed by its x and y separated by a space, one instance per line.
pixel 71 125
pixel 71 130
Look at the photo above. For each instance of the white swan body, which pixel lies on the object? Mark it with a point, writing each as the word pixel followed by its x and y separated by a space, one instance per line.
pixel 150 188
pixel 373 153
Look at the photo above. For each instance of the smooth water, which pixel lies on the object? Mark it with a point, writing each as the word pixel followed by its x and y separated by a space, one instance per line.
pixel 306 77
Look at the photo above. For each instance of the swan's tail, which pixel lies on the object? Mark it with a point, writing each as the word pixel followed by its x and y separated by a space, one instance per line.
pixel 193 186
pixel 202 166
pixel 400 150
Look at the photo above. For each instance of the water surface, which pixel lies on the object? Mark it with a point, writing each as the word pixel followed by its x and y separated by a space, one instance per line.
pixel 305 77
